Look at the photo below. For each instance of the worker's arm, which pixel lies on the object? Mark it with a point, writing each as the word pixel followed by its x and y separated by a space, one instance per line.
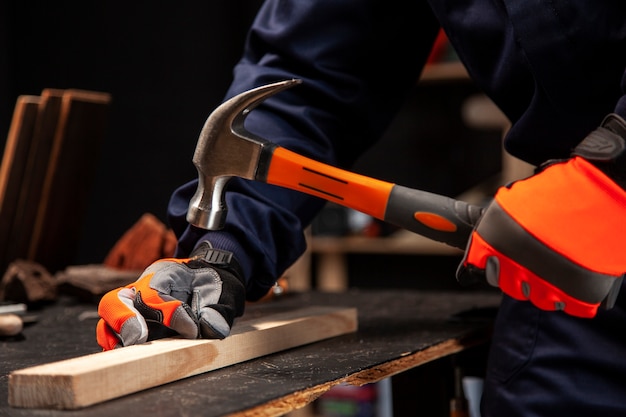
pixel 557 238
pixel 358 61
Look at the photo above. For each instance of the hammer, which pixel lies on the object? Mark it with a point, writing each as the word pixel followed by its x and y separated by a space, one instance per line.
pixel 225 149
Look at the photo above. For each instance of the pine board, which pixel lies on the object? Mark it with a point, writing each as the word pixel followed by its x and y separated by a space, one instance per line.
pixel 91 379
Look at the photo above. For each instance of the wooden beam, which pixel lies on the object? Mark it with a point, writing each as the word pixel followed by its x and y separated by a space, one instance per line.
pixel 91 379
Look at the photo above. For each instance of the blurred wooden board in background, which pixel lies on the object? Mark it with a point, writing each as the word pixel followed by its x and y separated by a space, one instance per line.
pixel 47 170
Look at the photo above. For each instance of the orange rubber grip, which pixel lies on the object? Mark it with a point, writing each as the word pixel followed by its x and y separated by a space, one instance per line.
pixel 290 170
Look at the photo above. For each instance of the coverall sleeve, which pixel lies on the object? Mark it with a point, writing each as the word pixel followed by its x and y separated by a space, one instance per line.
pixel 358 60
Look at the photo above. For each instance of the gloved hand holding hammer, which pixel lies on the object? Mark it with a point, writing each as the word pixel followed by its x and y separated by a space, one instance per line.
pixel 532 241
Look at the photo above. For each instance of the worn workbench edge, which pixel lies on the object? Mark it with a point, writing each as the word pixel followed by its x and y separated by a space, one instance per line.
pixel 281 406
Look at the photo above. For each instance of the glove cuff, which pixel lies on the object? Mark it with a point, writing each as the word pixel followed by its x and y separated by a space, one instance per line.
pixel 205 255
pixel 605 148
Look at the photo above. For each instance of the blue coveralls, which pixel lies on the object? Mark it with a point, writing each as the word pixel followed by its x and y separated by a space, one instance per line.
pixel 554 67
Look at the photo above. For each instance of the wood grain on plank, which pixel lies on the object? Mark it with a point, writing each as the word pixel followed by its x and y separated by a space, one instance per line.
pixel 87 380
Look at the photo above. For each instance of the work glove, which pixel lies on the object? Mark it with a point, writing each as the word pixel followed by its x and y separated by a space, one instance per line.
pixel 196 297
pixel 558 238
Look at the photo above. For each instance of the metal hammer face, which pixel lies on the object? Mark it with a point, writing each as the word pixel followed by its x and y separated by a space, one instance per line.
pixel 226 149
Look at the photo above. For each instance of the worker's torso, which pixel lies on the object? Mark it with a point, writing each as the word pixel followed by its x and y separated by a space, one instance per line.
pixel 554 67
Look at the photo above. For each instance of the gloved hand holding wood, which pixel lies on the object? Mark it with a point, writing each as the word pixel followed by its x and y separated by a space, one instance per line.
pixel 197 297
pixel 557 238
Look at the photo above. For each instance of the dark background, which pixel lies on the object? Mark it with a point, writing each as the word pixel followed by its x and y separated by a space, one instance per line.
pixel 167 66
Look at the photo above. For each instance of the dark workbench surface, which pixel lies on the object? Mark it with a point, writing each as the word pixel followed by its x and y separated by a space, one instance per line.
pixel 395 328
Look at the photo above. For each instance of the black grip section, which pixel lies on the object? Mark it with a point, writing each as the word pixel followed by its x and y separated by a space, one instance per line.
pixel 433 216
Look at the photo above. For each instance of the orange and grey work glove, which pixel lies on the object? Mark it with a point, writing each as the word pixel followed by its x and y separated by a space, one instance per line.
pixel 197 297
pixel 558 238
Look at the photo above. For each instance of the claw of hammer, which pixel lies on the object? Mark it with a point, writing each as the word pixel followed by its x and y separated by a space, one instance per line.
pixel 226 149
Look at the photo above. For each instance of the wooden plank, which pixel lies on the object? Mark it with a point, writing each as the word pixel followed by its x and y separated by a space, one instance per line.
pixel 13 166
pixel 34 174
pixel 71 168
pixel 90 379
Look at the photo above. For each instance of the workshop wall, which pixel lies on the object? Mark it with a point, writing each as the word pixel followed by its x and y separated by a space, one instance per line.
pixel 166 64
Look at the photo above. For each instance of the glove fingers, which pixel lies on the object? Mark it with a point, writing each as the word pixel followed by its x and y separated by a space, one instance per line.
pixel 120 320
pixel 214 318
pixel 158 307
pixel 521 284
pixel 106 337
pixel 212 323
pixel 218 299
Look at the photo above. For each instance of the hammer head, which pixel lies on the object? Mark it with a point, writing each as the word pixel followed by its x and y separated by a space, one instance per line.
pixel 226 149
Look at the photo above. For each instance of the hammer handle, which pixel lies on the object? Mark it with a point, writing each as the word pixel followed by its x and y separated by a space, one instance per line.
pixel 431 215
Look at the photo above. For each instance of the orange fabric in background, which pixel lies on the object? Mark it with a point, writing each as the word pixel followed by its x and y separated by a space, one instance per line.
pixel 440 48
